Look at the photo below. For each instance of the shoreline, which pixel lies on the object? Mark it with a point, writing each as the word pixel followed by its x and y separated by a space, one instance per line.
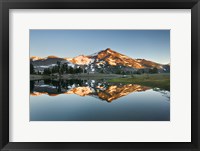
pixel 78 76
pixel 152 80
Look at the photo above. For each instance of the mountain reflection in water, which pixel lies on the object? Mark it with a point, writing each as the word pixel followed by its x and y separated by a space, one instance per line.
pixel 96 100
pixel 96 88
pixel 100 89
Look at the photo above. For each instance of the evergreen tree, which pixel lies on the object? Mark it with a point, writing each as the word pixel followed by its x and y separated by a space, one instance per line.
pixel 32 69
pixel 154 70
pixel 59 68
pixel 65 68
pixel 71 70
pixel 47 71
pixel 101 71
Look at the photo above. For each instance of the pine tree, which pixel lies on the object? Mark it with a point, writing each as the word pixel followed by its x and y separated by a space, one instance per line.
pixel 32 69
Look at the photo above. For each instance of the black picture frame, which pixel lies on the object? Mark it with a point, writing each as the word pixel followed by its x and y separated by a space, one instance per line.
pixel 5 5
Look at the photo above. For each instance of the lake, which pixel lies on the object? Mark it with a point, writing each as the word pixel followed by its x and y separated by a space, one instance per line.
pixel 96 100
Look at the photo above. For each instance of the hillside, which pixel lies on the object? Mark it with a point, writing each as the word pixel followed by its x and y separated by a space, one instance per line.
pixel 104 61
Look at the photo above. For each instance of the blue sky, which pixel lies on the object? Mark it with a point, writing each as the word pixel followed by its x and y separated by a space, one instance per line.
pixel 146 44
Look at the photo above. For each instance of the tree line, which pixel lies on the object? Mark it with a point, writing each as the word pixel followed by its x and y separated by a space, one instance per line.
pixel 62 69
pixel 59 68
pixel 65 69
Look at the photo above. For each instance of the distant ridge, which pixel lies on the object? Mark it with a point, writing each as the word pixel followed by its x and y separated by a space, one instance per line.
pixel 102 61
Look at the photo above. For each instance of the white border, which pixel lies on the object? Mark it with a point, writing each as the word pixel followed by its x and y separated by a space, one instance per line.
pixel 177 130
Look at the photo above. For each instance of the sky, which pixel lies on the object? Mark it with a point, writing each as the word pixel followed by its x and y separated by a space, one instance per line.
pixel 152 45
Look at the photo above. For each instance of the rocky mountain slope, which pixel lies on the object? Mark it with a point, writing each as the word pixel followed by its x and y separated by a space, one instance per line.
pixel 105 61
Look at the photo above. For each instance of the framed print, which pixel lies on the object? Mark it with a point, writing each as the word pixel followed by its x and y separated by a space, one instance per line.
pixel 100 77
pixel 85 75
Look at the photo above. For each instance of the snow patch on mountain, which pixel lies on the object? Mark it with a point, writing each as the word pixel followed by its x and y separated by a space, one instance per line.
pixel 80 60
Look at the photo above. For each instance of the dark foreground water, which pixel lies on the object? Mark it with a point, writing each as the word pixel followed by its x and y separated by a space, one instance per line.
pixel 96 100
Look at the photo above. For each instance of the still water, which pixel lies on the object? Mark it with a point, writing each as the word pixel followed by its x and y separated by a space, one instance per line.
pixel 96 100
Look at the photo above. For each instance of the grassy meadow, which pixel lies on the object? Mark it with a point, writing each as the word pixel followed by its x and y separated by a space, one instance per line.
pixel 161 81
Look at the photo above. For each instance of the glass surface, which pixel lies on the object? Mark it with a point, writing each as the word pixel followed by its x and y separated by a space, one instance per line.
pixel 99 75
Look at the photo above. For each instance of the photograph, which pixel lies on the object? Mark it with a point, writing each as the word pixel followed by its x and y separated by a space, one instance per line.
pixel 99 75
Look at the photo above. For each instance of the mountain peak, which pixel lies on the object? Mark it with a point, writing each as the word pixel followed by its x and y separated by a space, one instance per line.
pixel 109 50
pixel 117 59
pixel 34 58
pixel 50 57
pixel 81 60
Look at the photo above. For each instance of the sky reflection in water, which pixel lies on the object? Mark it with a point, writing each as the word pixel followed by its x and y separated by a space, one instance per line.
pixel 90 100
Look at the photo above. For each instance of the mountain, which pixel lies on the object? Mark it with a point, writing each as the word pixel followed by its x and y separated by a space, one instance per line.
pixel 114 58
pixel 34 58
pixel 37 61
pixel 104 61
pixel 80 60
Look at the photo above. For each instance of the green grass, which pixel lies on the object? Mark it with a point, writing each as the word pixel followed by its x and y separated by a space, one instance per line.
pixel 161 81
pixel 39 77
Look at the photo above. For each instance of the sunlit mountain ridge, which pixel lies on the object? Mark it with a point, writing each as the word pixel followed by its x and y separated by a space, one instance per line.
pixel 80 60
pixel 104 61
